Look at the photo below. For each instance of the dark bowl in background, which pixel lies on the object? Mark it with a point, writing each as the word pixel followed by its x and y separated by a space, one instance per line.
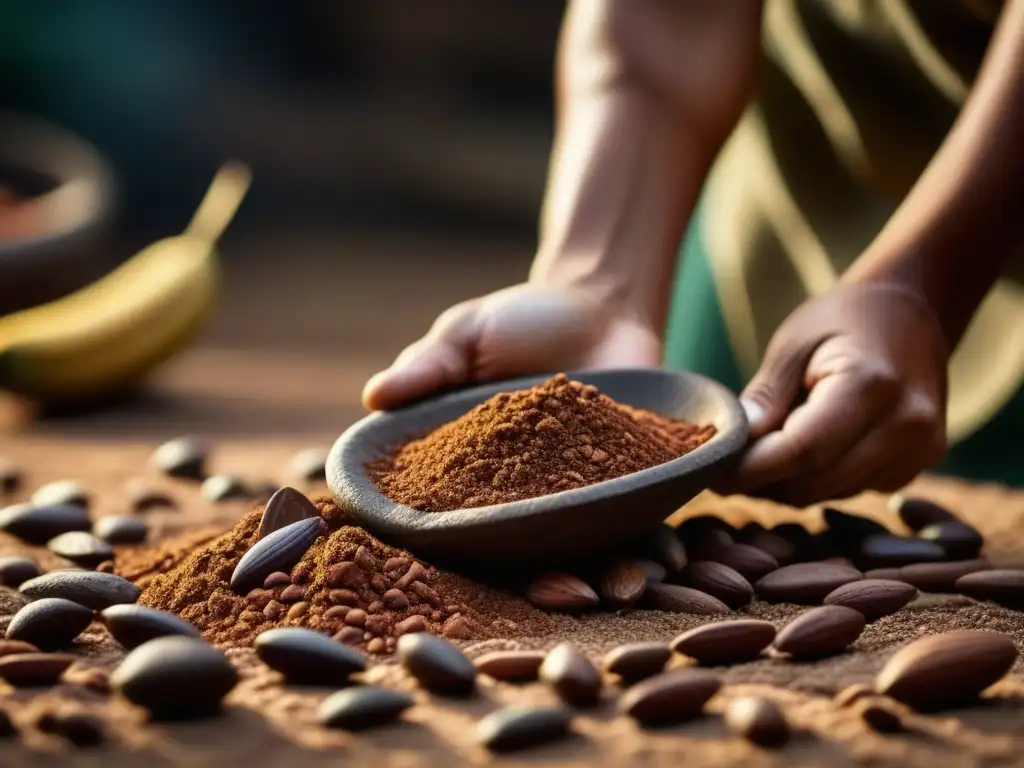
pixel 74 189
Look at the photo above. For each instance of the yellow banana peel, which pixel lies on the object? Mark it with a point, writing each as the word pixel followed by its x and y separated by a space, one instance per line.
pixel 105 336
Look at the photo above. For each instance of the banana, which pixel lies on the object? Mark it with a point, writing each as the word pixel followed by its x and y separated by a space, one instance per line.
pixel 103 337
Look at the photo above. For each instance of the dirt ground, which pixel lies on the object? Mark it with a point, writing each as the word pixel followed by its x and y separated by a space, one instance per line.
pixel 262 400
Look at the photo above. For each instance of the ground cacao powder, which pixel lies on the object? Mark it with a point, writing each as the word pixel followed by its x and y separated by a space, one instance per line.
pixel 519 445
pixel 140 563
pixel 348 584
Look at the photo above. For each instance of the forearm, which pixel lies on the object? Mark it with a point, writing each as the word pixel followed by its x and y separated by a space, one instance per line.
pixel 953 235
pixel 647 91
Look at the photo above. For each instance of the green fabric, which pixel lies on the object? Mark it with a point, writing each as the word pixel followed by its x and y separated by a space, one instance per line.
pixel 697 340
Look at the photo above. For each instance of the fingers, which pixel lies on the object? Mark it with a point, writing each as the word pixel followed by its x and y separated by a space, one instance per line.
pixel 885 459
pixel 770 395
pixel 838 413
pixel 900 471
pixel 441 359
pixel 513 332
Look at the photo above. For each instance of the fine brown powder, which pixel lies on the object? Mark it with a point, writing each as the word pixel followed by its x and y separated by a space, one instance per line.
pixel 140 563
pixel 348 584
pixel 553 437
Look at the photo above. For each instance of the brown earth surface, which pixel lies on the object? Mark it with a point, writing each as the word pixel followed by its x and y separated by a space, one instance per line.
pixel 261 403
pixel 267 724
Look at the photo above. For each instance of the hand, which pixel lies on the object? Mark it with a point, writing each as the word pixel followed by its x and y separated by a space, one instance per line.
pixel 513 332
pixel 851 396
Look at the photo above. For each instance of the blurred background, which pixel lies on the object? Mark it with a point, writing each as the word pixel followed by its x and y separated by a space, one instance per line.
pixel 398 153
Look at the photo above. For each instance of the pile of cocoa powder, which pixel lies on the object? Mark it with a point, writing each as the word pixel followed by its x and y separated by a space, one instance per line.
pixel 349 584
pixel 558 435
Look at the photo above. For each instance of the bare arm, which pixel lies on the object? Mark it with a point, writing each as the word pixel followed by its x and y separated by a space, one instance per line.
pixel 647 92
pixel 952 236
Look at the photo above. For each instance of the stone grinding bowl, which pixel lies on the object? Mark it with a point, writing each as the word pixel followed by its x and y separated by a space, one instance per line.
pixel 72 188
pixel 570 523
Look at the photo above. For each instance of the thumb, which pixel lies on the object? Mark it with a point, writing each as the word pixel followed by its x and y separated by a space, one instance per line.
pixel 769 397
pixel 439 360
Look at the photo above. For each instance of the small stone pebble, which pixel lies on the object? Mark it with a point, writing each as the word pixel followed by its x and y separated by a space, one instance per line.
pixel 183 457
pixel 310 465
pixel 49 624
pixel 361 707
pixel 61 492
pixel 142 499
pixel 81 548
pixel 220 488
pixel 572 675
pixel 175 677
pixel 635 661
pixel 133 625
pixel 307 657
pixel 37 525
pixel 11 477
pixel 120 529
pixel 14 570
pixel 758 720
pixel 89 588
pixel 437 664
pixel 519 727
